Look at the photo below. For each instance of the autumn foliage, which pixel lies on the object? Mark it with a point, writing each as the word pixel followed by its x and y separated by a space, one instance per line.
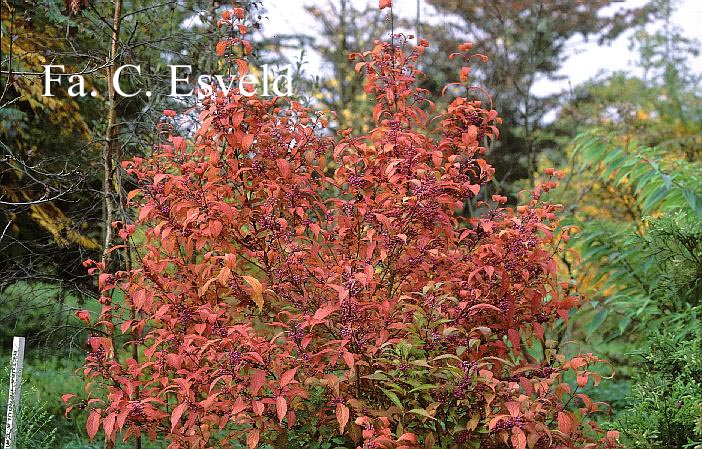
pixel 293 287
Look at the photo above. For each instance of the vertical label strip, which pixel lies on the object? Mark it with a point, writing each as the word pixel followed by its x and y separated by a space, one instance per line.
pixel 13 398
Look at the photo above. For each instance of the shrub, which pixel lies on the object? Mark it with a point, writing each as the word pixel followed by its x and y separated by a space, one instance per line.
pixel 666 400
pixel 281 299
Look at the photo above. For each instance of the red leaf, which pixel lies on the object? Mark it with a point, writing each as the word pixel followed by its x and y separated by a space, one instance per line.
pixel 287 377
pixel 215 228
pixel 108 424
pixel 513 408
pixel 612 436
pixel 283 167
pixel 258 407
pixel 325 311
pixel 349 359
pixel 93 424
pixel 382 4
pixel 538 331
pixel 238 407
pixel 256 255
pixel 247 141
pixel 177 413
pixel 257 380
pixel 582 379
pixel 84 316
pixel 281 406
pixel 412 438
pixel 515 339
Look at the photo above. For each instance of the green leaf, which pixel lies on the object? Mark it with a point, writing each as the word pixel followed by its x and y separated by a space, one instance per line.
pixel 623 324
pixel 694 201
pixel 596 322
pixel 378 375
pixel 423 387
pixel 393 397
pixel 422 412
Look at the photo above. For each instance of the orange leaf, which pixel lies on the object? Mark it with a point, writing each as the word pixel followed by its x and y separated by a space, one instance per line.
pixel 465 71
pixel 247 141
pixel 613 435
pixel 519 440
pixel 257 288
pixel 243 66
pixel 252 438
pixel 221 48
pixel 342 415
pixel 349 359
pixel 247 47
pixel 324 312
pixel 565 423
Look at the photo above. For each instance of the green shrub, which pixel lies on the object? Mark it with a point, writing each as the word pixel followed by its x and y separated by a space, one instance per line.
pixel 648 277
pixel 35 429
pixel 666 400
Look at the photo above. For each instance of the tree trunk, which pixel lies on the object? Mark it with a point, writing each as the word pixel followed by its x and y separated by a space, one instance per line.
pixel 112 135
pixel 111 145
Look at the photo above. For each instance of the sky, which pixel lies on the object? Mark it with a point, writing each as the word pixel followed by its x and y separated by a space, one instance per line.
pixel 586 59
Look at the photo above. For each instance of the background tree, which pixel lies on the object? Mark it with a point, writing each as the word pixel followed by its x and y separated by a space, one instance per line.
pixel 61 183
pixel 344 29
pixel 527 41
